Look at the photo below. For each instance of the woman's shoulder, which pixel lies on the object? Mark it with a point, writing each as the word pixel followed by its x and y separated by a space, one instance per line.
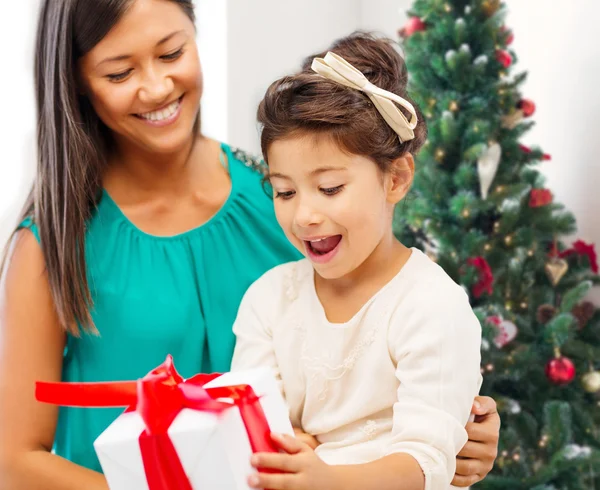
pixel 249 160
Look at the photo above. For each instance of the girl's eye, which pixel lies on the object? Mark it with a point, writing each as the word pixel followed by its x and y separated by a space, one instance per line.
pixel 119 77
pixel 332 191
pixel 284 195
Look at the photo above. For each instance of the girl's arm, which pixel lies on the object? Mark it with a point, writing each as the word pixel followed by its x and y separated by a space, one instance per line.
pixel 31 349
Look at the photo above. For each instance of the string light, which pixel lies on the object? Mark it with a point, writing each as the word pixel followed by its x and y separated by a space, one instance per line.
pixel 439 154
pixel 508 239
pixel 524 305
pixel 453 106
pixel 466 213
pixel 448 7
pixel 487 247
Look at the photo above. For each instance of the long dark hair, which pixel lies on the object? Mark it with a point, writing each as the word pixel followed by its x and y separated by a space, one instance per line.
pixel 72 147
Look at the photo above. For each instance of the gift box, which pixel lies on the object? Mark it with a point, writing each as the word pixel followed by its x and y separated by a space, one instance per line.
pixel 181 434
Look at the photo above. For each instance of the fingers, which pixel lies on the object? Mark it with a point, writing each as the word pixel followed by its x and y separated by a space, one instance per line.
pixel 289 444
pixel 465 481
pixel 486 431
pixel 484 405
pixel 275 461
pixel 272 481
pixel 477 450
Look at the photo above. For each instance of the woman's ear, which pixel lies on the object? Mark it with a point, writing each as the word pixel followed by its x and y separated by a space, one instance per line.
pixel 400 178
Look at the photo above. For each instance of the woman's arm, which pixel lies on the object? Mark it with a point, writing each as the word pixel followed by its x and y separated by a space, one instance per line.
pixel 31 348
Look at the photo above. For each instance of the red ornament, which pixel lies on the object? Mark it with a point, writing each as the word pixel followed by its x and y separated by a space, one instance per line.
pixel 539 198
pixel 525 149
pixel 510 37
pixel 414 24
pixel 582 248
pixel 504 57
pixel 527 106
pixel 486 278
pixel 561 371
pixel 546 157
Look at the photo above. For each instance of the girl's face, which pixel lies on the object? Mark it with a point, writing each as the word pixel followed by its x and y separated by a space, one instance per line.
pixel 335 208
pixel 144 78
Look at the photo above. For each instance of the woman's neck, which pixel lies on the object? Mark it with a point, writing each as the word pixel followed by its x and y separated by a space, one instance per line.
pixel 148 172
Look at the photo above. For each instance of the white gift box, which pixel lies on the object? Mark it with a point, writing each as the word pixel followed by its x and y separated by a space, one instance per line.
pixel 213 448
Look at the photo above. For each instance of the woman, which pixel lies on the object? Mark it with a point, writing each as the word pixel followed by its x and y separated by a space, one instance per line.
pixel 139 238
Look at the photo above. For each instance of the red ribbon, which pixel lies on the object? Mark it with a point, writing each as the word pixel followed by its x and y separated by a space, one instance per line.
pixel 158 398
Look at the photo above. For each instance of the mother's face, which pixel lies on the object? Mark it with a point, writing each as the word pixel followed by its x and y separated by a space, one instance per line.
pixel 144 77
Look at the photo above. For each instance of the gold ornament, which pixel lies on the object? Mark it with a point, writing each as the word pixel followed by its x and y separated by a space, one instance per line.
pixel 432 102
pixel 448 7
pixel 524 305
pixel 591 382
pixel 466 213
pixel 508 239
pixel 490 7
pixel 556 268
pixel 487 247
pixel 453 106
pixel 500 189
pixel 530 253
pixel 508 306
pixel 511 120
pixel 439 154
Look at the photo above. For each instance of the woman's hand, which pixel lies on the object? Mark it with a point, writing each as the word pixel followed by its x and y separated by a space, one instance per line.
pixel 476 459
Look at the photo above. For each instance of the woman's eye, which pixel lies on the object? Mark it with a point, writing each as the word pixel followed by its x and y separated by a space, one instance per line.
pixel 172 56
pixel 331 191
pixel 119 77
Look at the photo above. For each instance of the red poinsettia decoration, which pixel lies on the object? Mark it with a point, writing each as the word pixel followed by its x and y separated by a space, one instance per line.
pixel 486 278
pixel 581 248
pixel 540 197
pixel 414 24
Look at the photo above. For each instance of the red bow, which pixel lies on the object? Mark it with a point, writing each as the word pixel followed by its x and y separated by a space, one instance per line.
pixel 582 248
pixel 485 284
pixel 158 398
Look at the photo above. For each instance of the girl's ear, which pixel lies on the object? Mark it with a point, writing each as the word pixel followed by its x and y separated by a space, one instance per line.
pixel 400 178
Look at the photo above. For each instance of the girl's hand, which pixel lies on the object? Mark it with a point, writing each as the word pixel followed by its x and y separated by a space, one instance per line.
pixel 302 468
pixel 476 459
pixel 306 438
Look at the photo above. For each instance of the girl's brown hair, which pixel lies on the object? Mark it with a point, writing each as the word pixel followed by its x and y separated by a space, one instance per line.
pixel 72 147
pixel 306 103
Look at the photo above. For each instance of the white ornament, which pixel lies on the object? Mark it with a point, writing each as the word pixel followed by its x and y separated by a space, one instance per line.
pixel 507 333
pixel 468 9
pixel 482 59
pixel 460 21
pixel 487 166
pixel 465 48
pixel 573 451
pixel 485 345
pixel 449 55
pixel 513 407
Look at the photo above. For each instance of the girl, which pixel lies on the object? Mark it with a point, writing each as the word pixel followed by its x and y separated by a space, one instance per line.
pixel 135 241
pixel 376 348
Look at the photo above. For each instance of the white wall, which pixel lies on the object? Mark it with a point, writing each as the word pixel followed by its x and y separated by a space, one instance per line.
pixel 17 127
pixel 268 39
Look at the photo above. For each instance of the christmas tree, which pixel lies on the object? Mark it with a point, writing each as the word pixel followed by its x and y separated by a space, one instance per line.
pixel 480 209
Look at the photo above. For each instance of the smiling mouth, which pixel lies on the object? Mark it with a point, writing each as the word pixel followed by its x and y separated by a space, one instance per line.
pixel 163 114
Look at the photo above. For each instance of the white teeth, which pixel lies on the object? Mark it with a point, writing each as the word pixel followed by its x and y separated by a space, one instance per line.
pixel 318 240
pixel 162 114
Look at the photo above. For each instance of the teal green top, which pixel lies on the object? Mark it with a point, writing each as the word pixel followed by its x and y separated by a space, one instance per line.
pixel 176 295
